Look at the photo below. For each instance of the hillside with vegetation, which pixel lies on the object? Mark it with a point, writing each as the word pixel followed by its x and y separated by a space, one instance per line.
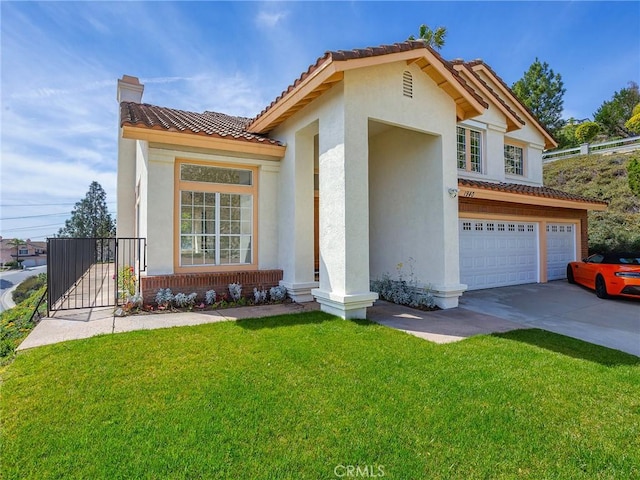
pixel 602 177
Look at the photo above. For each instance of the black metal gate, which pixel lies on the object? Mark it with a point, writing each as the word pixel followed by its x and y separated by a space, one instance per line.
pixel 93 272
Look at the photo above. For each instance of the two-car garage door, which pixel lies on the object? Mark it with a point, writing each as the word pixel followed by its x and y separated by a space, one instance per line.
pixel 495 253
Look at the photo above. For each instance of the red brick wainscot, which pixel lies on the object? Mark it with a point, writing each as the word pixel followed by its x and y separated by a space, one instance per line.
pixel 201 282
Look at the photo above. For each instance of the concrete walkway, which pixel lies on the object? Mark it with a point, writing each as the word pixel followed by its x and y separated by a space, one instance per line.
pixel 76 324
pixel 556 306
pixel 439 327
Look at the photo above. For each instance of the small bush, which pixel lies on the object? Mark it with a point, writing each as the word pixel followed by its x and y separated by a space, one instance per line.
pixel 164 297
pixel 185 301
pixel 27 287
pixel 16 323
pixel 278 293
pixel 587 131
pixel 235 290
pixel 259 296
pixel 403 291
pixel 210 297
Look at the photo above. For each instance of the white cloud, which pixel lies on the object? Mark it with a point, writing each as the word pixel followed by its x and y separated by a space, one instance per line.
pixel 270 19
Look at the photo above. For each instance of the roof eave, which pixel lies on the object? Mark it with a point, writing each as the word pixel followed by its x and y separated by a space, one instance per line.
pixel 210 142
pixel 549 141
pixel 478 192
pixel 331 71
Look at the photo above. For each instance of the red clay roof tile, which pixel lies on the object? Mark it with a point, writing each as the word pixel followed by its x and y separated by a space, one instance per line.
pixel 207 123
pixel 526 190
pixel 344 55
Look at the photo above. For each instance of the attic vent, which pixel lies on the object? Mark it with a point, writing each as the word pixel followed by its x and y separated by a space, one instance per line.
pixel 407 84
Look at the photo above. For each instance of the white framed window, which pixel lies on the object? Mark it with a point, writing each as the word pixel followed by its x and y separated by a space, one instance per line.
pixel 23 251
pixel 217 213
pixel 513 160
pixel 469 149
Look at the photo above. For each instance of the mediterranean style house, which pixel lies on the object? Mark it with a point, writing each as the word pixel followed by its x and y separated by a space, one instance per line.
pixel 370 158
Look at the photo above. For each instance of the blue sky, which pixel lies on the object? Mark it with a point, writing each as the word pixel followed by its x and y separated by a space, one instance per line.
pixel 60 62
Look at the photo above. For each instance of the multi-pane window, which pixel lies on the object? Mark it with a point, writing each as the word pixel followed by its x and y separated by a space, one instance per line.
pixel 469 149
pixel 216 222
pixel 513 160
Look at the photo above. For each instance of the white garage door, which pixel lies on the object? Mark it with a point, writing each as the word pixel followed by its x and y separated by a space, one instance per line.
pixel 561 249
pixel 498 253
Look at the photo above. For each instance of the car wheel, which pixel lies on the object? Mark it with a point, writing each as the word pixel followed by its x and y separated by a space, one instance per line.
pixel 601 287
pixel 570 277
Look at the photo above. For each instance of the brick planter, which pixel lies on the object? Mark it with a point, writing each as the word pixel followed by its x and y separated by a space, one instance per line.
pixel 201 282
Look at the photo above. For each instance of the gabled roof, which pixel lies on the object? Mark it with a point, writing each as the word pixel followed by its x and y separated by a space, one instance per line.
pixel 329 70
pixel 530 191
pixel 479 65
pixel 208 123
pixel 514 121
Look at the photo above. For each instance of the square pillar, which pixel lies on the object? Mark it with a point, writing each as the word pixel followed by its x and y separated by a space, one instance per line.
pixel 344 218
pixel 297 217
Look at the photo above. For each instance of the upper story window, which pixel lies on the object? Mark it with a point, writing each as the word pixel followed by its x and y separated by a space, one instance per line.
pixel 23 251
pixel 513 160
pixel 469 149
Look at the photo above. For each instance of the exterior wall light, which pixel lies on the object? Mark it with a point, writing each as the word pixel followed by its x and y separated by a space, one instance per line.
pixel 453 192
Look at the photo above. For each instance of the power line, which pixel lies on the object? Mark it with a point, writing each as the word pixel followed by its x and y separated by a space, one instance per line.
pixel 42 215
pixel 33 228
pixel 39 204
pixel 36 216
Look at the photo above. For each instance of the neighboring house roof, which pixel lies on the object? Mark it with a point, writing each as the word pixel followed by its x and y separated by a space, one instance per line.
pixel 529 190
pixel 329 70
pixel 207 123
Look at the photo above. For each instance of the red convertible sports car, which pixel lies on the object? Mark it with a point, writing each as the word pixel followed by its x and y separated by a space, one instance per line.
pixel 608 274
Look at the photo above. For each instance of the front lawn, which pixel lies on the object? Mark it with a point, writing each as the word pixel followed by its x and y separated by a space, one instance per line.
pixel 312 396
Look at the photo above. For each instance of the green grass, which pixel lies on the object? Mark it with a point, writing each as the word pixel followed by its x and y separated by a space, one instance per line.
pixel 296 396
pixel 602 177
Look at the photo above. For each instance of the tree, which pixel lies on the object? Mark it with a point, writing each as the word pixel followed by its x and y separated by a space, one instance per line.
pixel 566 135
pixel 433 38
pixel 633 124
pixel 613 114
pixel 541 90
pixel 587 131
pixel 90 217
pixel 17 242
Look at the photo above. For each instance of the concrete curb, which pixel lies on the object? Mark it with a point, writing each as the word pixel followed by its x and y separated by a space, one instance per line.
pixel 7 298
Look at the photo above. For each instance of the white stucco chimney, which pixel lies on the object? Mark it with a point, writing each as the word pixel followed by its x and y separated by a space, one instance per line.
pixel 130 89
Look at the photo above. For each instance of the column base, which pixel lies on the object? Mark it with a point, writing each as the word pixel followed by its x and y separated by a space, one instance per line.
pixel 446 296
pixel 345 306
pixel 300 292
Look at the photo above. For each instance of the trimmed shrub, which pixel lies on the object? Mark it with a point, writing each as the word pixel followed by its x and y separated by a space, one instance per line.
pixel 587 131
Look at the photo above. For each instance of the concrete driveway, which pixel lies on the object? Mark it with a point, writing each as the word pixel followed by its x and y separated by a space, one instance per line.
pixel 563 308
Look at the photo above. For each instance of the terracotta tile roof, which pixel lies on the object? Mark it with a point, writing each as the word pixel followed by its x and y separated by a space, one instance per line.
pixel 344 55
pixel 488 87
pixel 480 62
pixel 207 123
pixel 526 190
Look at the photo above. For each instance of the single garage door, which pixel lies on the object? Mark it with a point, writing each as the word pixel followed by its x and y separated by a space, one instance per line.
pixel 498 253
pixel 561 249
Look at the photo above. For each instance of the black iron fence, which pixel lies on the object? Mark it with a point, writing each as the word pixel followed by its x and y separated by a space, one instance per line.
pixel 93 272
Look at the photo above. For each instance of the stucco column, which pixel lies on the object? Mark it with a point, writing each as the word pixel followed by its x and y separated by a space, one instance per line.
pixel 344 218
pixel 297 242
pixel 446 288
